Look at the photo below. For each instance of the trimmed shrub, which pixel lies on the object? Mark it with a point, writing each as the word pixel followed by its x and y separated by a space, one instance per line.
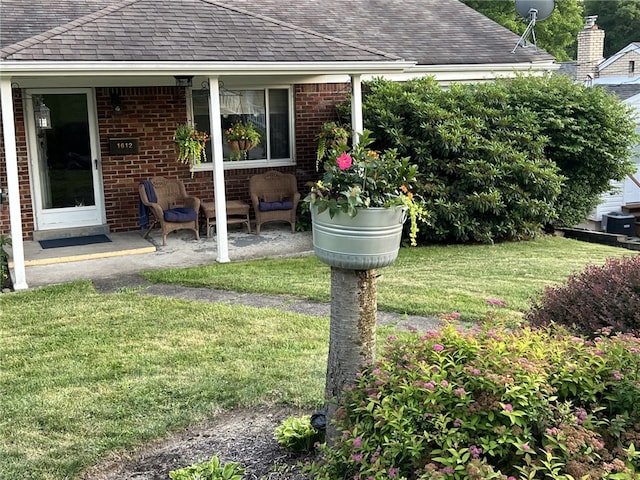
pixel 484 175
pixel 601 298
pixel 501 160
pixel 486 404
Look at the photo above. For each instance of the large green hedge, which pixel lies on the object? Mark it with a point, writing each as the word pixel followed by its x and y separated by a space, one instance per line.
pixel 494 156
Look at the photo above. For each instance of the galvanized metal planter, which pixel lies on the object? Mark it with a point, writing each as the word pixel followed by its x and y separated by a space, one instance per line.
pixel 369 240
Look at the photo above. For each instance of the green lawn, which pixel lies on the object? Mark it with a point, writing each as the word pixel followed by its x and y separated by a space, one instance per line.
pixel 424 280
pixel 85 374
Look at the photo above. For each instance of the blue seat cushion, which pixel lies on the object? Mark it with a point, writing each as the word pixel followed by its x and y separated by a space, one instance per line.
pixel 180 215
pixel 269 206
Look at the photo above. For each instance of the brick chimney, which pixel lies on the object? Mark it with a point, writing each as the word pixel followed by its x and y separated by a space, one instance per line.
pixel 590 50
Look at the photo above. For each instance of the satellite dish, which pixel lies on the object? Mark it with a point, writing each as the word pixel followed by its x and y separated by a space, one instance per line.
pixel 532 10
pixel 543 8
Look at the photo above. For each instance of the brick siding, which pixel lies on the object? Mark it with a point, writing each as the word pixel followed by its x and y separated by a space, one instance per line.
pixel 151 114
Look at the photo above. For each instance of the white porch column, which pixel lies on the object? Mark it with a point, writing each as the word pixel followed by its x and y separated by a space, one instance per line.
pixel 11 160
pixel 356 107
pixel 219 194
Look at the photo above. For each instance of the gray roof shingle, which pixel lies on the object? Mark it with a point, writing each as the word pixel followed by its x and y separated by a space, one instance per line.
pixel 427 31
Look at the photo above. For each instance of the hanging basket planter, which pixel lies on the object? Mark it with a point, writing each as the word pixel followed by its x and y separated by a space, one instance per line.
pixel 240 145
pixel 369 240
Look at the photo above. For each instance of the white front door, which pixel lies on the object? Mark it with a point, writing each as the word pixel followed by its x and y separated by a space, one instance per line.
pixel 67 186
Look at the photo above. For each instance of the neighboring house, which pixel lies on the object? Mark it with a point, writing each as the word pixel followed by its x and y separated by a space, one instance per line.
pixel 118 76
pixel 619 74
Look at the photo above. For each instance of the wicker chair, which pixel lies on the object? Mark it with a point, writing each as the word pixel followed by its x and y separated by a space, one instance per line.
pixel 275 197
pixel 173 209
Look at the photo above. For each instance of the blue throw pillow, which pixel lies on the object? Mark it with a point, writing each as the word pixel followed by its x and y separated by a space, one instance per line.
pixel 269 206
pixel 180 215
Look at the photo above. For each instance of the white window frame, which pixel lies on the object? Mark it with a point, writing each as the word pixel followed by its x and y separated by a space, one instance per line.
pixel 261 163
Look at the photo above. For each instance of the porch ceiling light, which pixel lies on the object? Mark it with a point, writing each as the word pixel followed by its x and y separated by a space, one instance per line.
pixel 184 80
pixel 43 116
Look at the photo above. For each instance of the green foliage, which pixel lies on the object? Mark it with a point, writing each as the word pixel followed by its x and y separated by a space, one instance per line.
pixel 501 160
pixel 330 134
pixel 620 19
pixel 491 403
pixel 484 175
pixel 589 136
pixel 297 433
pixel 190 144
pixel 211 470
pixel 556 34
pixel 602 297
pixel 4 262
pixel 364 178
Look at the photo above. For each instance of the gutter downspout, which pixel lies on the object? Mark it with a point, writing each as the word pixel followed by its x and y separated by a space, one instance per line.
pixel 11 161
pixel 219 194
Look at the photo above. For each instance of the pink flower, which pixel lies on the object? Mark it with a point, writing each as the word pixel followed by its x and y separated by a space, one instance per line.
pixel 357 442
pixel 393 472
pixel 508 407
pixel 496 302
pixel 525 447
pixel 357 458
pixel 344 161
pixel 459 391
pixel 444 383
pixel 438 348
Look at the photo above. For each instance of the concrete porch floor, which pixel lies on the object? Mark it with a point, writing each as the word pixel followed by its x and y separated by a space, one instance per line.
pixel 128 253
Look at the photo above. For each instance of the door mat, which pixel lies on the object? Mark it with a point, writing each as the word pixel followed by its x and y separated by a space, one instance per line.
pixel 74 241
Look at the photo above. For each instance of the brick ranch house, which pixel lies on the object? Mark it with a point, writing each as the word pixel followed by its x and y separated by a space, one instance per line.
pixel 118 76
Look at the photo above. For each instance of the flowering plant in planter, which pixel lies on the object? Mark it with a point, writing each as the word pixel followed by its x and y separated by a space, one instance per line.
pixel 241 137
pixel 190 144
pixel 330 134
pixel 364 178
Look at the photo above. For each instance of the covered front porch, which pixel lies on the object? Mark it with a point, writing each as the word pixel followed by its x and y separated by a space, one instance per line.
pixel 128 253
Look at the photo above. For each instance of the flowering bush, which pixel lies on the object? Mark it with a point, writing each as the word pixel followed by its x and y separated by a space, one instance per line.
pixel 190 144
pixel 330 134
pixel 601 297
pixel 492 404
pixel 364 178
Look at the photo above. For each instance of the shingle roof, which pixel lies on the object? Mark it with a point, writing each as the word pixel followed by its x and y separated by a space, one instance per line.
pixel 431 32
pixel 427 31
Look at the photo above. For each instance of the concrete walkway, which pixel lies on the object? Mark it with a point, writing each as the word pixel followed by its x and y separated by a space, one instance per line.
pixel 117 265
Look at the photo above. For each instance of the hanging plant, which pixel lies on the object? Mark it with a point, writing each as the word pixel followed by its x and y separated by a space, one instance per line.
pixel 190 144
pixel 330 134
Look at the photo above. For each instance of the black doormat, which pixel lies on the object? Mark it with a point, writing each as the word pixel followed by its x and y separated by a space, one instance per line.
pixel 74 241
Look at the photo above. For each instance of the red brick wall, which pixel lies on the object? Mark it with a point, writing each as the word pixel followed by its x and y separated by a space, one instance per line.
pixel 151 114
pixel 23 173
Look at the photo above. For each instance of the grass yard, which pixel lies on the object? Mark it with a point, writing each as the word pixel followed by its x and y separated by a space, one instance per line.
pixel 424 280
pixel 85 374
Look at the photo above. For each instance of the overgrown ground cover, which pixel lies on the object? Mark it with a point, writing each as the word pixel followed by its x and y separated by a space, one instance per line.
pixel 85 374
pixel 424 280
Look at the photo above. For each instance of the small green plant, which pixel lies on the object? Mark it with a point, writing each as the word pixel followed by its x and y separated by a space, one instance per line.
pixel 211 470
pixel 4 261
pixel 297 433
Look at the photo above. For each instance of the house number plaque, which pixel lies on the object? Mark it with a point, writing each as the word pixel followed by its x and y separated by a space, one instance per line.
pixel 123 146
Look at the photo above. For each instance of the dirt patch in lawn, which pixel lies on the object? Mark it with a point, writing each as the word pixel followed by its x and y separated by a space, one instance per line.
pixel 244 436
